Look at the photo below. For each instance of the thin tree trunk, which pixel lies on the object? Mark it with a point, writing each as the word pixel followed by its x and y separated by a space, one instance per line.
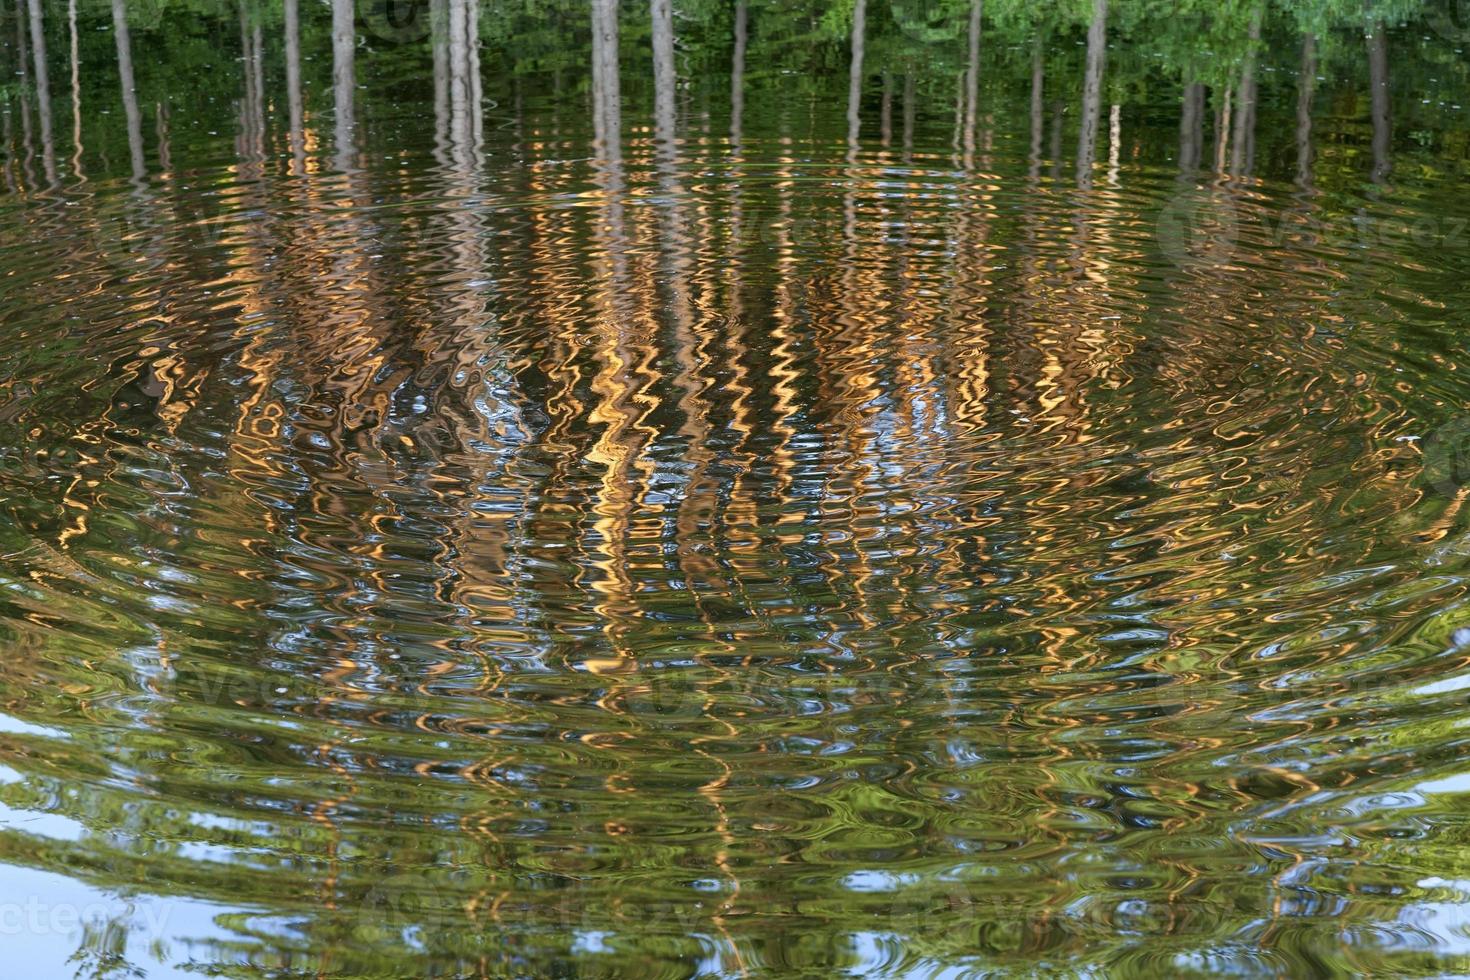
pixel 129 89
pixel 1222 130
pixel 972 81
pixel 1382 118
pixel 76 89
pixel 737 73
pixel 855 75
pixel 664 80
pixel 1038 108
pixel 292 28
pixel 476 108
pixel 459 79
pixel 24 72
pixel 1243 150
pixel 463 62
pixel 606 86
pixel 1115 143
pixel 910 111
pixel 1306 89
pixel 1191 127
pixel 43 90
pixel 160 115
pixel 344 79
pixel 1097 43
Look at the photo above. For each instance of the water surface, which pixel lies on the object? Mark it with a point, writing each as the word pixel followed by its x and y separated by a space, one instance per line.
pixel 792 522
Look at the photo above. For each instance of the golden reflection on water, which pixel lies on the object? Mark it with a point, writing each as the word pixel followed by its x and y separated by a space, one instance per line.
pixel 736 546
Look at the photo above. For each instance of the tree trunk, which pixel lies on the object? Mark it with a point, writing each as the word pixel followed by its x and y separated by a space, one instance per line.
pixel 1242 153
pixel 972 81
pixel 1097 43
pixel 664 80
pixel 43 90
pixel 129 90
pixel 1038 108
pixel 1382 119
pixel 1192 127
pixel 1306 88
pixel 606 88
pixel 76 89
pixel 292 28
pixel 344 78
pixel 855 74
pixel 737 73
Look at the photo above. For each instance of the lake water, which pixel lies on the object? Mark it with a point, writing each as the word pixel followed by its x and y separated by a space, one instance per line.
pixel 769 520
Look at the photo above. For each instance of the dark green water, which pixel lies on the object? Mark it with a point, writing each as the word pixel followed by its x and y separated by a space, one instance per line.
pixel 773 521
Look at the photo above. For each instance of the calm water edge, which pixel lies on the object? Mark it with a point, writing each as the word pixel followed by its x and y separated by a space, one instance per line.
pixel 772 488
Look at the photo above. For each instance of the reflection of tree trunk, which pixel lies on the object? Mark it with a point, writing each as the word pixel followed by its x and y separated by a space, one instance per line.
pixel 1382 120
pixel 1056 139
pixel 620 443
pixel 1306 87
pixel 7 135
pixel 1192 127
pixel 606 86
pixel 129 90
pixel 43 91
pixel 252 107
pixel 737 74
pixel 1038 108
pixel 885 112
pixel 958 139
pixel 477 114
pixel 909 111
pixel 160 115
pixel 1222 130
pixel 607 123
pixel 972 81
pixel 1115 142
pixel 662 14
pixel 855 74
pixel 439 43
pixel 459 80
pixel 257 80
pixel 76 89
pixel 1097 40
pixel 1243 151
pixel 23 71
pixel 292 18
pixel 344 79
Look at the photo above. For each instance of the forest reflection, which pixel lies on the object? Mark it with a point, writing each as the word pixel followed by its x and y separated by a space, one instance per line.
pixel 734 488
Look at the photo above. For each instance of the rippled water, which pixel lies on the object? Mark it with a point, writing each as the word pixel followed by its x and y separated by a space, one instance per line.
pixel 731 547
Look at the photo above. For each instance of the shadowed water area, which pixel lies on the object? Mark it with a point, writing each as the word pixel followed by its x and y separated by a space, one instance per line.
pixel 813 490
